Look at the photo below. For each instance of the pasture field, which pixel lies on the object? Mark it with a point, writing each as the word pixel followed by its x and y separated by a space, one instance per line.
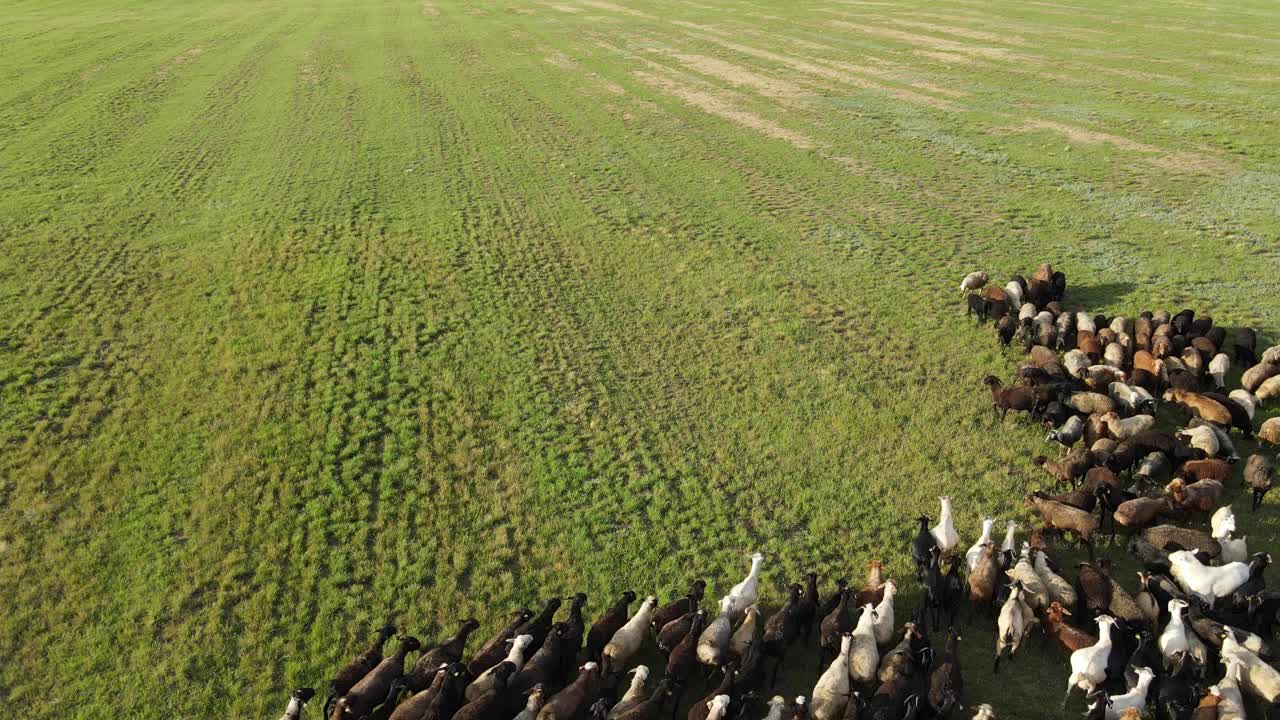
pixel 317 314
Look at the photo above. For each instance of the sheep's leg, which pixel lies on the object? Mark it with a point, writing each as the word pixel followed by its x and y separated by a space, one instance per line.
pixel 676 694
pixel 773 681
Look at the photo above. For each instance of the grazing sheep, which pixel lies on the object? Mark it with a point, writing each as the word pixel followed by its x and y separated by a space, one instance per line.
pixel 1245 344
pixel 1006 328
pixel 1226 448
pixel 1122 429
pixel 1253 378
pixel 1258 476
pixel 1271 355
pixel 973 281
pixel 1269 433
pixel 1071 468
pixel 1061 592
pixel 1116 355
pixel 1203 439
pixel 1174 537
pixel 1014 292
pixel 978 307
pixel 1065 518
pixel 1076 362
pixel 1200 406
pixel 1202 496
pixel 1089 403
pixel 1219 366
pixel 1140 512
pixel 1207 469
pixel 1067 435
pixel 1267 391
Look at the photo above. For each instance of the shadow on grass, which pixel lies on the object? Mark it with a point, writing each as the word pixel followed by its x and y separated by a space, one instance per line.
pixel 1100 295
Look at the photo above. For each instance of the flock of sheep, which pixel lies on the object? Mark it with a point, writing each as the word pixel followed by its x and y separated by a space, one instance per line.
pixel 1190 642
pixel 1193 639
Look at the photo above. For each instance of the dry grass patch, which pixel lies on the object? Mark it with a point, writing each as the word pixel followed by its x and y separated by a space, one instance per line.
pixel 737 75
pixel 430 10
pixel 930 42
pixel 719 105
pixel 962 32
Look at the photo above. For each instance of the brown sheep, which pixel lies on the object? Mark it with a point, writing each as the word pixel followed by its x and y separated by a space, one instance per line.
pixel 1253 378
pixel 983 578
pixel 1099 476
pixel 995 294
pixel 1269 433
pixel 1065 518
pixel 1200 406
pixel 1005 399
pixel 1044 273
pixel 1202 496
pixel 1209 469
pixel 1271 355
pixel 1089 344
pixel 1269 390
pixel 1071 468
pixel 1140 512
pixel 1173 537
pixel 1162 346
pixel 1258 474
pixel 1069 636
pixel 1042 356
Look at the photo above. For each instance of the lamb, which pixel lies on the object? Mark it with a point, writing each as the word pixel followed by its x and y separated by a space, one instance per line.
pixel 1258 475
pixel 1269 433
pixel 628 639
pixel 973 281
pixel 1253 378
pixel 1219 366
pixel 1207 583
pixel 1065 518
pixel 1124 428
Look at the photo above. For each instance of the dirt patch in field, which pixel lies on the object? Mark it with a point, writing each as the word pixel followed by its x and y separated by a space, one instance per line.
pixel 560 60
pixel 564 8
pixel 601 5
pixel 720 106
pixel 737 75
pixel 841 76
pixel 430 10
pixel 1174 161
pixel 962 32
pixel 699 27
pixel 946 57
pixel 929 42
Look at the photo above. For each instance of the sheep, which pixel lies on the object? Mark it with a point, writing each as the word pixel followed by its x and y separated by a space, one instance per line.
pixel 978 307
pixel 1219 366
pixel 1089 665
pixel 1258 476
pixel 973 281
pixel 1271 355
pixel 1259 678
pixel 1067 635
pixel 781 629
pixel 1230 700
pixel 1208 583
pixel 1064 518
pixel 572 702
pixel 883 623
pixel 442 696
pixel 628 639
pixel 1089 403
pixel 448 652
pixel 985 712
pixel 831 693
pixel 1010 542
pixel 1200 406
pixel 1194 361
pixel 354 671
pixel 486 681
pixel 490 704
pixel 1269 433
pixel 1116 356
pixel 1225 446
pixel 1207 469
pixel 603 630
pixel 297 701
pixel 635 693
pixel 1124 428
pixel 944 533
pixel 1203 439
pixel 1266 392
pixel 741 639
pixel 1176 537
pixel 1070 469
pixel 1015 620
pixel 1253 378
pixel 743 595
pixel 1133 703
pixel 1173 641
pixel 1067 435
pixel 681 606
pixel 372 689
pixel 922 546
pixel 1240 419
pixel 864 654
pixel 717 707
pixel 1202 496
pixel 1061 592
pixel 1140 512
pixel 1035 594
pixel 1027 313
pixel 683 659
pixel 1075 362
pixel 1013 291
pixel 974 552
pixel 946 683
pixel 873 588
pixel 983 579
pixel 1006 327
pixel 713 643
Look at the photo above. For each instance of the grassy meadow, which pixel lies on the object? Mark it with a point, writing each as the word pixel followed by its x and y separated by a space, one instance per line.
pixel 318 314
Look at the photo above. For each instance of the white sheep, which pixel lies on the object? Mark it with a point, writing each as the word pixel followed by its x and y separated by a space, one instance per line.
pixel 1122 429
pixel 831 694
pixel 864 654
pixel 488 678
pixel 1136 698
pixel 1089 665
pixel 974 553
pixel 1016 618
pixel 744 594
pixel 628 639
pixel 1010 541
pixel 1060 591
pixel 1114 355
pixel 1223 524
pixel 1219 366
pixel 718 706
pixel 1268 390
pixel 776 704
pixel 1202 438
pixel 1230 700
pixel 1209 583
pixel 297 701
pixel 944 533
pixel 1256 676
pixel 1173 639
pixel 635 693
pixel 985 712
pixel 1084 323
pixel 713 643
pixel 1226 448
pixel 1035 594
pixel 882 625
pixel 1075 361
pixel 1246 400
pixel 973 281
pixel 1014 291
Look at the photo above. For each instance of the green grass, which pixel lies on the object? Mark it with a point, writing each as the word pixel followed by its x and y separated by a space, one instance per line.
pixel 318 314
